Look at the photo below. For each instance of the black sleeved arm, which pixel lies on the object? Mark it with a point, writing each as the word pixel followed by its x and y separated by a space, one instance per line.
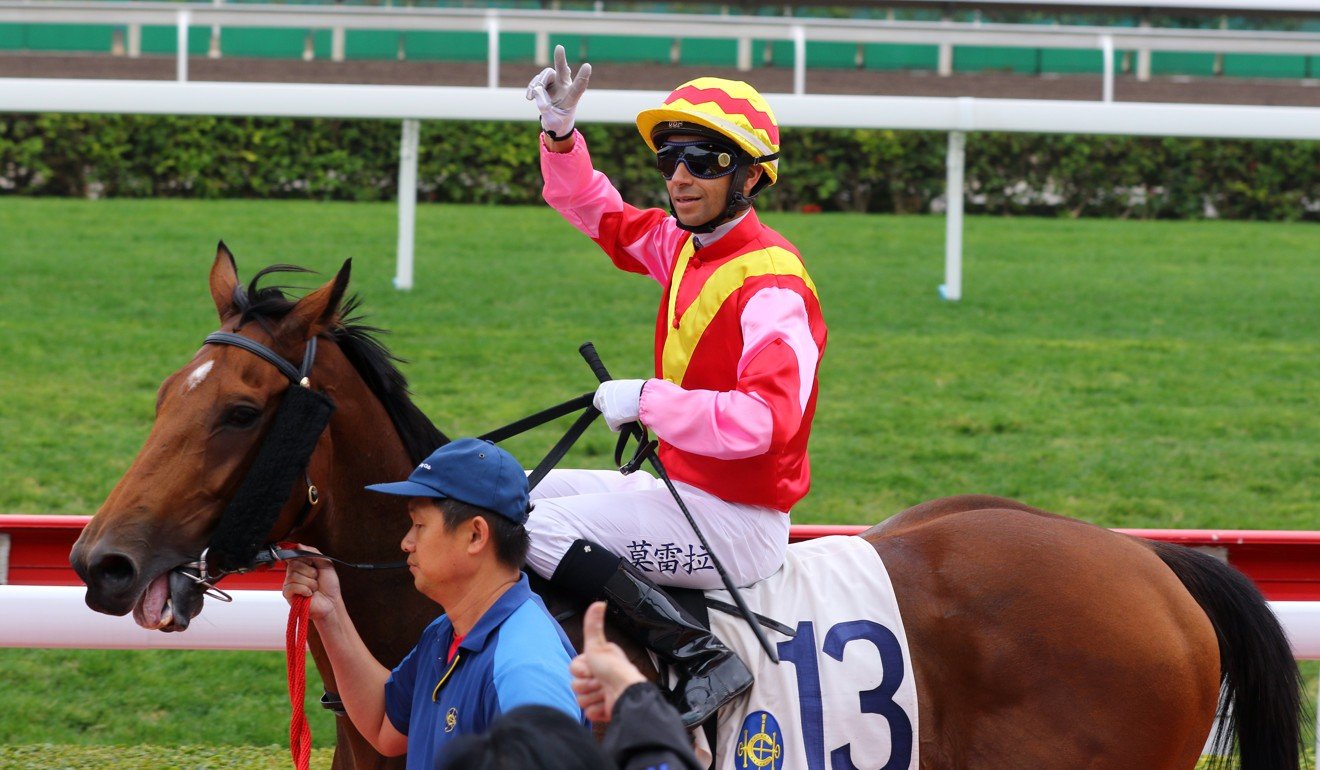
pixel 646 733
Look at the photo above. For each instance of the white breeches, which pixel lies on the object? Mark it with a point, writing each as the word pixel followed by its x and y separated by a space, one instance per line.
pixel 635 517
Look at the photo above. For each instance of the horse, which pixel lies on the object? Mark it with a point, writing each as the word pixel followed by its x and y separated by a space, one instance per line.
pixel 1041 641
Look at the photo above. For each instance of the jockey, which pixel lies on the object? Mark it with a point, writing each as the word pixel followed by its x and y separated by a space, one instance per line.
pixel 739 338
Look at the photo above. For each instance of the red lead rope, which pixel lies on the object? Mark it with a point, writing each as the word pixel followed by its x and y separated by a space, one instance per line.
pixel 300 733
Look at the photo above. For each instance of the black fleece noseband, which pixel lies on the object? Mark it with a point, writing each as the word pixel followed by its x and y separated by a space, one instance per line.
pixel 247 520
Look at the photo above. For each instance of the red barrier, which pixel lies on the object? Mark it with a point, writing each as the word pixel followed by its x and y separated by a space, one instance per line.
pixel 1285 565
pixel 39 554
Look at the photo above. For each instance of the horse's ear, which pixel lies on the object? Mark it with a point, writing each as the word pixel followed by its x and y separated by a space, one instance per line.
pixel 224 280
pixel 319 310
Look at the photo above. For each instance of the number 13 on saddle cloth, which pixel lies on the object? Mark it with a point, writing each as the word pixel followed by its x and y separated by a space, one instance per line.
pixel 844 694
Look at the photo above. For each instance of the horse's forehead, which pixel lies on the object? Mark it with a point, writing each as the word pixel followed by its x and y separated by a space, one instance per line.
pixel 198 375
pixel 220 369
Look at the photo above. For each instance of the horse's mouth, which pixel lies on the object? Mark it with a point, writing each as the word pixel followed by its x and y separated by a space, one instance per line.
pixel 169 603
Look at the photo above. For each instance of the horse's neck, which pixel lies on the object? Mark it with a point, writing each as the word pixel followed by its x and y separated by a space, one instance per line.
pixel 363 526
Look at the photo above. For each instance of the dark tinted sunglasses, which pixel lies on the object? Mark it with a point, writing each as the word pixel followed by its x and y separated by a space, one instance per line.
pixel 704 160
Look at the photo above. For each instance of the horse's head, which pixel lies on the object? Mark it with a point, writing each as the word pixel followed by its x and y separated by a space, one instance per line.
pixel 212 417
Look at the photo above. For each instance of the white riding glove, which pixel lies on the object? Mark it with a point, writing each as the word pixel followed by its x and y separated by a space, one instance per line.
pixel 556 93
pixel 619 401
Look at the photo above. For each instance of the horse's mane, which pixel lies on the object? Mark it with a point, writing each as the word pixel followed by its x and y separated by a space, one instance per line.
pixel 377 366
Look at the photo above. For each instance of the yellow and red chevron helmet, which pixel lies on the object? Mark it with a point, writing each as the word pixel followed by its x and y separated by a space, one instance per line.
pixel 730 108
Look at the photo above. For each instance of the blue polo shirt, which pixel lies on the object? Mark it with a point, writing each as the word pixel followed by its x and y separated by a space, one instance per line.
pixel 515 655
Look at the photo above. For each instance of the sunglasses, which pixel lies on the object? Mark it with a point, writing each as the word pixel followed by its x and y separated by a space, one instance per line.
pixel 704 160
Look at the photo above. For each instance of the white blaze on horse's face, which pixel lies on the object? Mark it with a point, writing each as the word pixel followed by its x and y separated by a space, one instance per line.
pixel 197 376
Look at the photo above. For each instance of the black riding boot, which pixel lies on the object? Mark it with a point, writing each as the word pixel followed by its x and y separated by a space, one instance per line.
pixel 710 674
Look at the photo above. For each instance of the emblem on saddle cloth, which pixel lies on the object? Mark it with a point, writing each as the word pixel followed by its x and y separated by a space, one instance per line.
pixel 760 745
pixel 843 695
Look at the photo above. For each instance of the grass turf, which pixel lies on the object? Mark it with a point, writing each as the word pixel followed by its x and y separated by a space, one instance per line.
pixel 47 756
pixel 1128 373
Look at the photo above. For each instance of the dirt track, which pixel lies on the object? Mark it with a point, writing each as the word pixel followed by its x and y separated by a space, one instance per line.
pixel 664 77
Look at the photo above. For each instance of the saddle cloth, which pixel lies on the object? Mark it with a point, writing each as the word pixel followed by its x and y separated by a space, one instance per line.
pixel 843 695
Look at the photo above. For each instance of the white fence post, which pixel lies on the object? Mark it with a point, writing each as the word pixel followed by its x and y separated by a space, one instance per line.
pixel 744 54
pixel 134 41
pixel 403 277
pixel 1218 68
pixel 799 59
pixel 1143 56
pixel 492 48
pixel 541 57
pixel 181 62
pixel 1107 48
pixel 338 43
pixel 951 289
pixel 213 52
pixel 944 65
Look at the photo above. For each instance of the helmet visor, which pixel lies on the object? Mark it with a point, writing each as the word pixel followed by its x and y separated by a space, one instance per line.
pixel 704 160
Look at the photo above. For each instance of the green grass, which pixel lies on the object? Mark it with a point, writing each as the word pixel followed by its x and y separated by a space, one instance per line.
pixel 1129 373
pixel 1141 374
pixel 47 756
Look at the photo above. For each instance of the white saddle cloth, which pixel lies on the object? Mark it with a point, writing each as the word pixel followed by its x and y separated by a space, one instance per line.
pixel 843 695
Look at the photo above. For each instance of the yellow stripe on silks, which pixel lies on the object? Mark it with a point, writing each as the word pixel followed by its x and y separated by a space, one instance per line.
pixel 680 269
pixel 727 278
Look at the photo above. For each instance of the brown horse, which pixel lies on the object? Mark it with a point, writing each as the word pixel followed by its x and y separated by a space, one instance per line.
pixel 1039 641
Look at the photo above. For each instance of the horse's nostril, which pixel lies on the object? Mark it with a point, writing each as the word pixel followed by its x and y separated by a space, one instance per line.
pixel 114 571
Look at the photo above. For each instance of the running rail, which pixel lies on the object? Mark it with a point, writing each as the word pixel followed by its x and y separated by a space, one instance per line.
pixel 38 586
pixel 40 591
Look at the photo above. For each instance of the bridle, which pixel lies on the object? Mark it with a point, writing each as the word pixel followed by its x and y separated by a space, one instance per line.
pixel 235 532
pixel 240 536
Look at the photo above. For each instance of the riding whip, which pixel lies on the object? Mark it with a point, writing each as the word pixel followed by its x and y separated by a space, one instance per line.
pixel 588 352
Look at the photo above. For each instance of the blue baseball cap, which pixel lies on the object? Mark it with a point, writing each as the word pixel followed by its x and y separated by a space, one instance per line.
pixel 472 471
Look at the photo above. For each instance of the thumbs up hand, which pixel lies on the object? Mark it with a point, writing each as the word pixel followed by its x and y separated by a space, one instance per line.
pixel 602 672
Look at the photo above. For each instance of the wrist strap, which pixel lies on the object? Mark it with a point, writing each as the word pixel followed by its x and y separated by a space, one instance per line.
pixel 554 138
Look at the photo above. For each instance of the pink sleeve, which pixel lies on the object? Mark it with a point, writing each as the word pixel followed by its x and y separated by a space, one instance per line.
pixel 776 373
pixel 638 240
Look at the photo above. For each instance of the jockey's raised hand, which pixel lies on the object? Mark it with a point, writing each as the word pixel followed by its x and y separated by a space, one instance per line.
pixel 556 93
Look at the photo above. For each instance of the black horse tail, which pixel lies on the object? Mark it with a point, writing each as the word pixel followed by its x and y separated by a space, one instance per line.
pixel 1261 707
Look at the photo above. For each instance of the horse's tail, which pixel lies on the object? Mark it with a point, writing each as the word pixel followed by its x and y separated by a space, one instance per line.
pixel 1262 687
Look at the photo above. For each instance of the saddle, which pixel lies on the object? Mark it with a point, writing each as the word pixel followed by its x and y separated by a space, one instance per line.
pixel 844 686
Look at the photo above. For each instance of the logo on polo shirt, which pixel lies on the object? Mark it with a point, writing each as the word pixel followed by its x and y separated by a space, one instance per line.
pixel 451 720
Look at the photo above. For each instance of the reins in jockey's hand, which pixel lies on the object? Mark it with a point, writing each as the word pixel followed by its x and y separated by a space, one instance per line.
pixel 646 451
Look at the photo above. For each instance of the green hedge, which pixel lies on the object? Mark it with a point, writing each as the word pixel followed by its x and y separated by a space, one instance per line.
pixel 489 162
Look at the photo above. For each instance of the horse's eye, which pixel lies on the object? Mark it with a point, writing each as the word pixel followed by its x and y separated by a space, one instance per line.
pixel 241 417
